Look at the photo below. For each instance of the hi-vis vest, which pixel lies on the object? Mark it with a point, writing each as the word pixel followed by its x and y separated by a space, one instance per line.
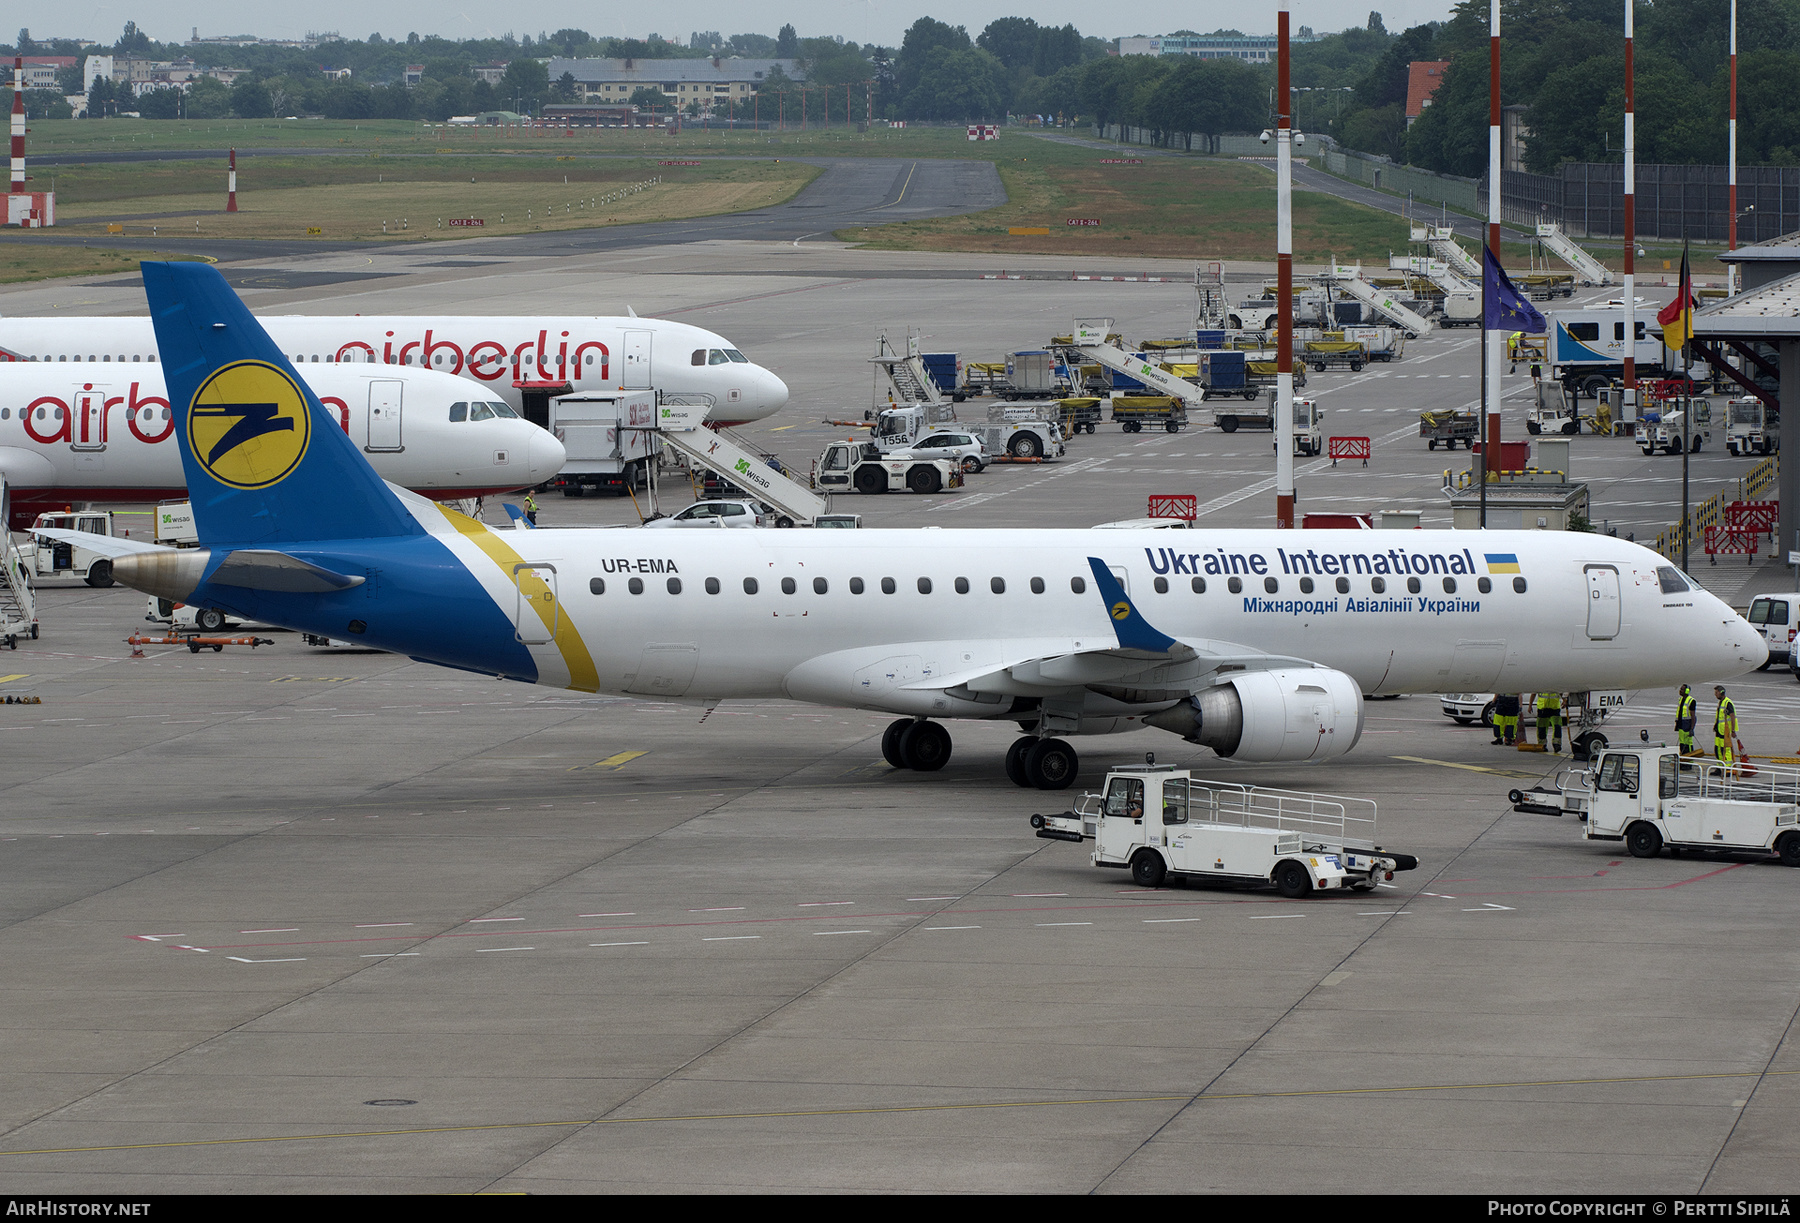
pixel 1724 719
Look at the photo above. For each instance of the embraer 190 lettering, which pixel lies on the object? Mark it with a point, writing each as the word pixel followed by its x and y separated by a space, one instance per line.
pixel 1245 643
pixel 509 357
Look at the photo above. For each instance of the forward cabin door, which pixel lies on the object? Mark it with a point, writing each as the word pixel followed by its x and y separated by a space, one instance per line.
pixel 1603 602
pixel 635 372
pixel 384 414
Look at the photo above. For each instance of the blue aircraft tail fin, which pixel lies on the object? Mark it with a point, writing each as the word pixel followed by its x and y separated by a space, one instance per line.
pixel 1133 631
pixel 265 462
pixel 519 521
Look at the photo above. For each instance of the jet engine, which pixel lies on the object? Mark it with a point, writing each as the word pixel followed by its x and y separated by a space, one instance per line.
pixel 1289 714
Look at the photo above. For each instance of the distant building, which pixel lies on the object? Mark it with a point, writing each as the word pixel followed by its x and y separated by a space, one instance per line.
pixel 597 114
pixel 1251 48
pixel 1513 134
pixel 709 82
pixel 491 73
pixel 413 74
pixel 1423 76
pixel 41 70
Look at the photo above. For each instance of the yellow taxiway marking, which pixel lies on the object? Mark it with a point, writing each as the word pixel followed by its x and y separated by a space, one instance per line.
pixel 614 763
pixel 7 679
pixel 779 428
pixel 1473 768
pixel 1183 1098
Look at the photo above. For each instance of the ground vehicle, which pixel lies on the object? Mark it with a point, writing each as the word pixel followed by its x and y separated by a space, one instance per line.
pixel 1309 439
pixel 1650 797
pixel 1257 314
pixel 1461 310
pixel 1133 412
pixel 1031 374
pixel 1775 617
pixel 1162 822
pixel 1587 347
pixel 841 522
pixel 932 431
pixel 1004 433
pixel 1322 353
pixel 1449 427
pixel 191 618
pixel 715 514
pixel 1554 410
pixel 44 558
pixel 1082 412
pixel 1748 429
pixel 1662 430
pixel 1222 372
pixel 609 440
pixel 864 468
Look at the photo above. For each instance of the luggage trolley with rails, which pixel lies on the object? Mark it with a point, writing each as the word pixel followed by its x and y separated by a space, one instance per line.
pixel 1162 822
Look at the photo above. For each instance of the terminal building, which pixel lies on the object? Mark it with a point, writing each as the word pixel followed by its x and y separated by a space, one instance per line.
pixel 1252 48
pixel 709 82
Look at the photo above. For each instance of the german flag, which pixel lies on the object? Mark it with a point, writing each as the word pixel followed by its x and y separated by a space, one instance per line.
pixel 1677 318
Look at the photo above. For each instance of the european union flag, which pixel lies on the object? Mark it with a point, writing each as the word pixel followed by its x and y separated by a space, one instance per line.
pixel 1506 310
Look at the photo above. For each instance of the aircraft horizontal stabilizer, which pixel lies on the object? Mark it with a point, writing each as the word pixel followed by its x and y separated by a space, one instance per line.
pixel 110 546
pixel 260 569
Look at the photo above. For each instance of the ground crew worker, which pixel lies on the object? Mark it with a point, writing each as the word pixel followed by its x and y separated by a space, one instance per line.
pixel 1686 717
pixel 530 509
pixel 1550 719
pixel 1506 719
pixel 1725 727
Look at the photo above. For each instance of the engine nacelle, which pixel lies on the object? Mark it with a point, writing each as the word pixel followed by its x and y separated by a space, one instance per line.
pixel 1291 714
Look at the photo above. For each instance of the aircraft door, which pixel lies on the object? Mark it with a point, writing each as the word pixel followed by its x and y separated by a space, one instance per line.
pixel 634 374
pixel 536 612
pixel 1603 602
pixel 88 426
pixel 384 414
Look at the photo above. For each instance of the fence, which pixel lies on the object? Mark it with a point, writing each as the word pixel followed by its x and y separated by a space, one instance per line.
pixel 1753 485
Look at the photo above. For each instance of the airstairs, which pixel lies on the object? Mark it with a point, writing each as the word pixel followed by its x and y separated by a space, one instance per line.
pixel 1091 344
pixel 1435 270
pixel 1441 241
pixel 1589 269
pixel 682 426
pixel 905 372
pixel 1350 280
pixel 18 598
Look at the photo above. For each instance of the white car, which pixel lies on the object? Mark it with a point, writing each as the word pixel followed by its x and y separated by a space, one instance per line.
pixel 715 514
pixel 1468 708
pixel 964 449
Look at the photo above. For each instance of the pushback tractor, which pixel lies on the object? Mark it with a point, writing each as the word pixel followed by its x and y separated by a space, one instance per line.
pixel 1163 823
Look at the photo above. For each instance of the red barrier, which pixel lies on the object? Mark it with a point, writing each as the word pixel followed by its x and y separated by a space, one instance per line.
pixel 1174 505
pixel 1349 448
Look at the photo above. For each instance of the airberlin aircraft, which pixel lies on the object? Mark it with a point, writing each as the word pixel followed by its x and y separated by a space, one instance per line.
pixel 510 358
pixel 1257 644
pixel 106 433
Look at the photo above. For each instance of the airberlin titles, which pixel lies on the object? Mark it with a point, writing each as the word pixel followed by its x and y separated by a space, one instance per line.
pixel 484 359
pixel 86 418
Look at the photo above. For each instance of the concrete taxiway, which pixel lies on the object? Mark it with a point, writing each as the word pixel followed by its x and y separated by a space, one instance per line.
pixel 291 919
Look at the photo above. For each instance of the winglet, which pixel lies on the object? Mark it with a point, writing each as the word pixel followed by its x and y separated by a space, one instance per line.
pixel 1134 632
pixel 519 521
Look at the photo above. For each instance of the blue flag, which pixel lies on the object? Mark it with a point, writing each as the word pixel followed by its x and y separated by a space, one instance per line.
pixel 1504 309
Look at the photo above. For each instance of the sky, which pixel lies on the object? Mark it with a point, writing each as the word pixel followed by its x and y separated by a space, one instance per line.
pixel 879 21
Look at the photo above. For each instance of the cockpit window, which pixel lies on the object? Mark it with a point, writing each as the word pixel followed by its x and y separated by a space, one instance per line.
pixel 1672 581
pixel 459 412
pixel 481 411
pixel 699 357
pixel 503 410
pixel 716 356
pixel 734 355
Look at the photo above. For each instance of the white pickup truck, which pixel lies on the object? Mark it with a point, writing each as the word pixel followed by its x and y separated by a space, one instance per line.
pixel 1163 823
pixel 1651 797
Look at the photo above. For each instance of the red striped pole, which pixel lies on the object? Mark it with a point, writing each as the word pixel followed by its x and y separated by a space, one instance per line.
pixel 18 125
pixel 231 184
pixel 1731 191
pixel 1284 282
pixel 1630 333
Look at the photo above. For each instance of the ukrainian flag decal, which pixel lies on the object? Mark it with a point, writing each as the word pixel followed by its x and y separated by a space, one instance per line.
pixel 1502 562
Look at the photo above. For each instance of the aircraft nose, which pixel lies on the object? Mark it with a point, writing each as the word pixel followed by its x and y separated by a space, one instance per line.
pixel 772 392
pixel 545 455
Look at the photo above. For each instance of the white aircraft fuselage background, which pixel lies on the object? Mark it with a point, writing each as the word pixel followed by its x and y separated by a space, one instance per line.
pixel 589 353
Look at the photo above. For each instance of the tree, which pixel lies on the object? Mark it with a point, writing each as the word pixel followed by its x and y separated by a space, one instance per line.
pixel 25 45
pixel 1210 96
pixel 103 98
pixel 960 84
pixel 1375 24
pixel 160 104
pixel 647 97
pixel 207 98
pixel 787 43
pixel 1057 48
pixel 525 83
pixel 1011 40
pixel 250 99
pixel 565 88
pixel 132 42
pixel 923 37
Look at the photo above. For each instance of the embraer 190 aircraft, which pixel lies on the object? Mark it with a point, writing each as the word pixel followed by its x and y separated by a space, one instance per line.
pixel 508 357
pixel 1257 644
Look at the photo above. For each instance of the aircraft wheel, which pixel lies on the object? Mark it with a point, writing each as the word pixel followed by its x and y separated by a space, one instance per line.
pixel 890 742
pixel 210 618
pixel 1147 869
pixel 100 574
pixel 1643 840
pixel 925 746
pixel 1051 764
pixel 1588 746
pixel 1292 881
pixel 1015 760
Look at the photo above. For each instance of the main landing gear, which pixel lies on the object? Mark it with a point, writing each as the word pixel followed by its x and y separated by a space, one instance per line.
pixel 1044 764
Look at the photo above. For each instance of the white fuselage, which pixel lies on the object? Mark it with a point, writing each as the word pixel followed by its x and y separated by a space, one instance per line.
pixel 499 352
pixel 936 654
pixel 100 433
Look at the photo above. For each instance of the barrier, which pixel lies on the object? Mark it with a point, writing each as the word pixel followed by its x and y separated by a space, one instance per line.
pixel 1174 505
pixel 1348 448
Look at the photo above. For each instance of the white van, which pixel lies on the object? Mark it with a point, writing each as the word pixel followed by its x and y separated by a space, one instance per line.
pixel 1776 617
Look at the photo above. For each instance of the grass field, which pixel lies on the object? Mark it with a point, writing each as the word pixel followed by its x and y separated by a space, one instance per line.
pixel 31 261
pixel 365 197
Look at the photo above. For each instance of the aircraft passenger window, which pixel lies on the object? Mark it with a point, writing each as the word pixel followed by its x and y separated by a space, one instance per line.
pixel 1378 585
pixel 962 586
pixel 1078 585
pixel 1518 586
pixel 1484 585
pixel 1449 586
pixel 712 586
pixel 699 357
pixel 459 412
pixel 503 410
pixel 1162 586
pixel 1235 585
pixel 437 358
pixel 787 586
pixel 481 411
pixel 1413 586
pixel 1198 586
pixel 997 585
pixel 1037 586
pixel 1306 586
pixel 1270 585
pixel 674 586
pixel 136 358
pixel 107 357
pixel 737 356
pixel 749 586
pixel 924 586
pixel 820 586
pixel 590 358
pixel 716 356
pixel 887 586
pixel 636 586
pixel 1343 586
pixel 856 586
pixel 1667 575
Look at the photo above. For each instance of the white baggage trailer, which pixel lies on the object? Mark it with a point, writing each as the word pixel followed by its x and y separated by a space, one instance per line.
pixel 1162 822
